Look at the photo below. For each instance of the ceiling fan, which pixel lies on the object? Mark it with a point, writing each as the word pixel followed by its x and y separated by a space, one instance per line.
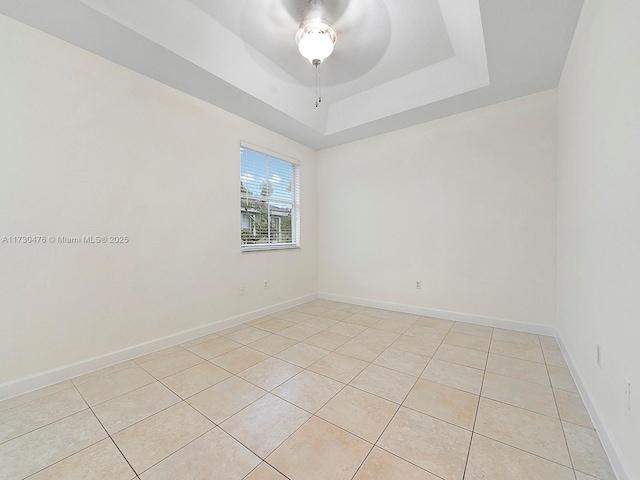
pixel 316 38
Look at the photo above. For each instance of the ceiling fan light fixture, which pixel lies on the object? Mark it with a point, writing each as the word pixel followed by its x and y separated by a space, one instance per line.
pixel 316 41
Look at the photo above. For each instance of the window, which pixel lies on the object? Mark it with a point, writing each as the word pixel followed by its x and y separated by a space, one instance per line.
pixel 269 201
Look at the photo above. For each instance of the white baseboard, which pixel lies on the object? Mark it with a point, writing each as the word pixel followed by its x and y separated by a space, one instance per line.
pixel 444 314
pixel 617 463
pixel 49 377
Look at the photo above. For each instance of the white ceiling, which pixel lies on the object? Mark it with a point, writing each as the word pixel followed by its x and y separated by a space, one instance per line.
pixel 396 63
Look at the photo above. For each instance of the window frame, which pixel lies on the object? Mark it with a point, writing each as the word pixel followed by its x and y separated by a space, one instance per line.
pixel 295 202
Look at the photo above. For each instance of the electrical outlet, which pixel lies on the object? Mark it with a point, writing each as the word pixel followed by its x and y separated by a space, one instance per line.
pixel 418 284
pixel 266 284
pixel 627 392
pixel 242 290
pixel 599 355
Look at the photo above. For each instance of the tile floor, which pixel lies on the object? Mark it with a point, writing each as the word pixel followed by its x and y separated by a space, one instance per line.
pixel 321 391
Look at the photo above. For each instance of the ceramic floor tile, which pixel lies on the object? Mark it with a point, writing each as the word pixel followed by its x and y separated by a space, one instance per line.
pixel 385 383
pixel 471 329
pixel 382 465
pixel 247 335
pixel 295 317
pixel 416 345
pixel 309 390
pixel 97 462
pixel 123 411
pixel 327 340
pixel 147 442
pixel 445 403
pixel 114 385
pixel 41 448
pixel 34 395
pixel 320 322
pixel 273 325
pixel 402 361
pixel 516 337
pixel 314 310
pixel 467 341
pixel 394 326
pixel 584 476
pixel 346 329
pixel 548 343
pixel 527 395
pixel 239 359
pixel 213 455
pixel 453 375
pixel 461 356
pixel 380 337
pixel 521 369
pixel 264 471
pixel 214 347
pixel 522 351
pixel 523 429
pixel 302 354
pixel 225 399
pixel 103 372
pixel 376 312
pixel 320 451
pixel 408 318
pixel 437 323
pixel 520 433
pixel 299 332
pixel 29 416
pixel 272 344
pixel 551 351
pixel 428 333
pixel 270 373
pixel 348 307
pixel 339 367
pixel 195 379
pixel 587 453
pixel 561 378
pixel 555 358
pixel 362 320
pixel 361 349
pixel 358 412
pixel 265 424
pixel 434 445
pixel 571 408
pixel 491 460
pixel 335 314
pixel 172 363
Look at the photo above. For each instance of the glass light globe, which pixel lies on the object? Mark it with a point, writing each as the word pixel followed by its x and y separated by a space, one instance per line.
pixel 315 44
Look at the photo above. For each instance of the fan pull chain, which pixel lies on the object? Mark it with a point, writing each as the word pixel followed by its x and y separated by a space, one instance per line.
pixel 319 84
pixel 316 63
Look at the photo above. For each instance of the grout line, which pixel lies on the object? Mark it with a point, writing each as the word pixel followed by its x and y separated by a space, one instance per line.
pixel 108 434
pixel 475 418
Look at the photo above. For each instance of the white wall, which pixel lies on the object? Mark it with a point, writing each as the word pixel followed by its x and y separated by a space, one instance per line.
pixel 599 214
pixel 465 204
pixel 91 148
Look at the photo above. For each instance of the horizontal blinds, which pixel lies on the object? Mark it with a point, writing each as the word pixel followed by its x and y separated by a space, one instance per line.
pixel 269 192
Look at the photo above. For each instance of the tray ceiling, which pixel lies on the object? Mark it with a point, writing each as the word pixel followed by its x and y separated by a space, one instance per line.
pixel 395 63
